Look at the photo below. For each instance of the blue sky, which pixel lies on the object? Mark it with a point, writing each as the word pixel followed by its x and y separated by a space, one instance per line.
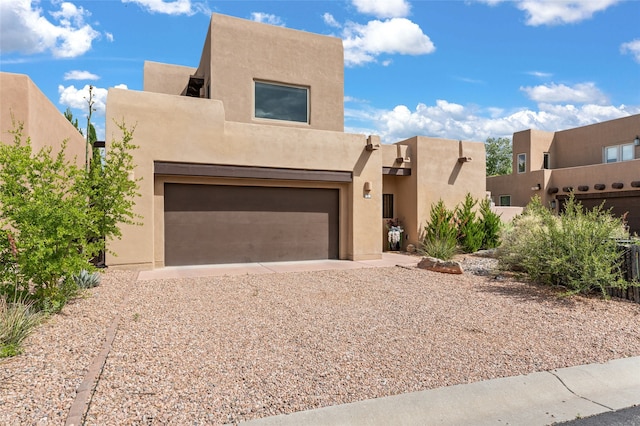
pixel 453 69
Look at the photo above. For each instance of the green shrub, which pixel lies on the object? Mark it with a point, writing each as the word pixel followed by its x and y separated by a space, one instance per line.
pixel 575 249
pixel 470 230
pixel 491 225
pixel 17 320
pixel 439 237
pixel 60 216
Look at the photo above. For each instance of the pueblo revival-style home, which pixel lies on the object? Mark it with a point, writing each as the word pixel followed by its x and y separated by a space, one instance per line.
pixel 599 163
pixel 245 158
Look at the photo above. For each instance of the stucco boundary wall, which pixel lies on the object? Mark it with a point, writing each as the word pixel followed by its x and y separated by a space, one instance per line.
pixel 507 214
pixel 21 100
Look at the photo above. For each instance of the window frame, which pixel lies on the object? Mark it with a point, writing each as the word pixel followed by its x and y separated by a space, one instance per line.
pixel 501 197
pixel 387 204
pixel 546 161
pixel 307 90
pixel 524 162
pixel 619 151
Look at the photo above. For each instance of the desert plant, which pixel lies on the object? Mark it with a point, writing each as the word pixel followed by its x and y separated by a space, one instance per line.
pixel 86 279
pixel 439 237
pixel 17 320
pixel 491 225
pixel 470 230
pixel 575 249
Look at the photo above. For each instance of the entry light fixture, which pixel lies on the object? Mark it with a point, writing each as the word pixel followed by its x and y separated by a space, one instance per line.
pixel 367 190
pixel 636 141
pixel 536 187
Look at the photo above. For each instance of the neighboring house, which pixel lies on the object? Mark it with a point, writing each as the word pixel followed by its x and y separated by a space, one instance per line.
pixel 599 163
pixel 22 102
pixel 245 158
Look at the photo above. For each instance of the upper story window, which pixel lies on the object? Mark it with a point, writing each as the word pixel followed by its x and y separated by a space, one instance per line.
pixel 546 160
pixel 615 153
pixel 281 102
pixel 522 163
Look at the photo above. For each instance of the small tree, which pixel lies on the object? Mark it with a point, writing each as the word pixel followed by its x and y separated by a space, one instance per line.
pixel 439 235
pixel 491 225
pixel 499 153
pixel 470 230
pixel 111 191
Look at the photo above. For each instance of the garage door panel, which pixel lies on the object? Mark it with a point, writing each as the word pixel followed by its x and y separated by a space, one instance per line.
pixel 226 224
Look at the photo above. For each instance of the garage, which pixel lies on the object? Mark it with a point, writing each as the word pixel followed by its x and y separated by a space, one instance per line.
pixel 619 202
pixel 214 224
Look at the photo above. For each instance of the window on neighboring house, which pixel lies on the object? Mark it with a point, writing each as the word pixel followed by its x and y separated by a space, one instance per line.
pixel 505 200
pixel 522 163
pixel 387 206
pixel 616 153
pixel 546 163
pixel 281 102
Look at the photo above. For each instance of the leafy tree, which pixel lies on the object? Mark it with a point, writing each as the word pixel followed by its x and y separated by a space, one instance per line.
pixel 499 152
pixel 55 216
pixel 111 191
pixel 44 204
pixel 92 130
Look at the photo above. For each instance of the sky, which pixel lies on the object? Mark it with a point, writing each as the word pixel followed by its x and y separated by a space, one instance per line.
pixel 465 70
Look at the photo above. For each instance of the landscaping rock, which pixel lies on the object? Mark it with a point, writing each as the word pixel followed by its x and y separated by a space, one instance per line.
pixel 438 265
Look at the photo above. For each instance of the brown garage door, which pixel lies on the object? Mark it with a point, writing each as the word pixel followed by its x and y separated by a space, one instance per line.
pixel 209 224
pixel 619 203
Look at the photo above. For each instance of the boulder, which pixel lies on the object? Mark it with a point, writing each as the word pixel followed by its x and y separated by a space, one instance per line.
pixel 438 265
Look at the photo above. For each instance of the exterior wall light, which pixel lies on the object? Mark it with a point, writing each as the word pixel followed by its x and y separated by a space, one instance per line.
pixel 367 190
pixel 464 159
pixel 636 141
pixel 536 187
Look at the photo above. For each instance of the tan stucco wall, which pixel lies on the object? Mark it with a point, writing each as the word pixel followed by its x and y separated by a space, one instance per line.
pixel 436 174
pixel 42 121
pixel 584 145
pixel 533 143
pixel 237 52
pixel 166 78
pixel 576 159
pixel 194 131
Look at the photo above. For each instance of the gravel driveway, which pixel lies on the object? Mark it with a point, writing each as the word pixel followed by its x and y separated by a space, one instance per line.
pixel 225 349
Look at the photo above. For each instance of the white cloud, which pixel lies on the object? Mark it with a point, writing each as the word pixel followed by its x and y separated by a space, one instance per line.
pixel 174 7
pixel 454 121
pixel 383 8
pixel 24 28
pixel 632 48
pixel 78 98
pixel 330 20
pixel 80 75
pixel 267 18
pixel 363 43
pixel 109 36
pixel 540 74
pixel 558 12
pixel 581 93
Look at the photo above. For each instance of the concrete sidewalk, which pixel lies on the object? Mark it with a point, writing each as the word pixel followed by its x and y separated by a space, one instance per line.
pixel 540 398
pixel 387 260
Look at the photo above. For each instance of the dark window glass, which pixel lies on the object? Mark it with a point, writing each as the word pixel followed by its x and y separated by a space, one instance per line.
pixel 387 206
pixel 279 102
pixel 545 161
